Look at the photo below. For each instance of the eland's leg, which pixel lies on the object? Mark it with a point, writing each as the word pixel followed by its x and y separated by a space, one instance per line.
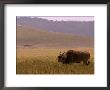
pixel 86 62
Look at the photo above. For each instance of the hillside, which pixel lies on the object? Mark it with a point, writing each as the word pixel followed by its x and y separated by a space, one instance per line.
pixel 80 28
pixel 43 38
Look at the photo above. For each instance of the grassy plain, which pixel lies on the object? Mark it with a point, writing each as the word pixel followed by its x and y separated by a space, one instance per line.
pixel 41 56
pixel 44 61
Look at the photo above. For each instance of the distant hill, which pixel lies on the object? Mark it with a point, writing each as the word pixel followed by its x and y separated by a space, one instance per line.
pixel 43 38
pixel 78 28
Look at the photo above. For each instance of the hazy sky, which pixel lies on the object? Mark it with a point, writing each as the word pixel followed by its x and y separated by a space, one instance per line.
pixel 69 18
pixel 64 18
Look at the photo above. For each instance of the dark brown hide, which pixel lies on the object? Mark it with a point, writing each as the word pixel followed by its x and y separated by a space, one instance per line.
pixel 72 56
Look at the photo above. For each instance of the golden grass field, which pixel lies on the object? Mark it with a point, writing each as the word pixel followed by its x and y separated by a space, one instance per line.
pixel 44 61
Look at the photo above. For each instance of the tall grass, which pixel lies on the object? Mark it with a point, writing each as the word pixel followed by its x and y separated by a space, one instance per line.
pixel 46 63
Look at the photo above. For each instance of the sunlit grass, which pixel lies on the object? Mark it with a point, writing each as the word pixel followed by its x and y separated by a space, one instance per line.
pixel 44 61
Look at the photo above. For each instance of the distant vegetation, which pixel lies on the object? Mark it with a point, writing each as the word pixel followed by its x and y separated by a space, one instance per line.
pixel 39 37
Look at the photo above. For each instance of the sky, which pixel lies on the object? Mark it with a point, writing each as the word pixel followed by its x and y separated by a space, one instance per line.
pixel 64 18
pixel 68 18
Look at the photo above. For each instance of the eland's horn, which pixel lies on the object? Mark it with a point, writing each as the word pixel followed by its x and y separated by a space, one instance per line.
pixel 60 52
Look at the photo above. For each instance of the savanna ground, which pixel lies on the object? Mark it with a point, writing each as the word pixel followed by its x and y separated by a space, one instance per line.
pixel 44 61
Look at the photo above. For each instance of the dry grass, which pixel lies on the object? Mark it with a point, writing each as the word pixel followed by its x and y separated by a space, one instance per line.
pixel 44 61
